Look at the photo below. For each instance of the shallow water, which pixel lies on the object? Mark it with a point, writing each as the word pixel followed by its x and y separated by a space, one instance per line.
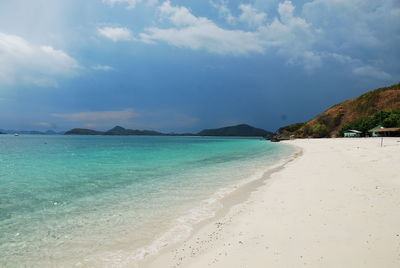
pixel 99 200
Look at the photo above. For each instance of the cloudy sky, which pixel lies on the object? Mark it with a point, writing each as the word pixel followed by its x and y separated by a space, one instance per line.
pixel 184 65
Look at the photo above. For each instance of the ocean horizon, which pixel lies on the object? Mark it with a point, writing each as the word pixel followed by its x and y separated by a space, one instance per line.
pixel 112 200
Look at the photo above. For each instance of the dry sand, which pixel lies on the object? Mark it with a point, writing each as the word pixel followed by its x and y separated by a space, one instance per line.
pixel 337 205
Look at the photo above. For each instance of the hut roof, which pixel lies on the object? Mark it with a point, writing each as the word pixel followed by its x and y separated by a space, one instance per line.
pixel 377 127
pixel 389 129
pixel 353 131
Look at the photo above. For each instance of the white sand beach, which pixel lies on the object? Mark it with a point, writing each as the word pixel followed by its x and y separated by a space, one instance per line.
pixel 336 205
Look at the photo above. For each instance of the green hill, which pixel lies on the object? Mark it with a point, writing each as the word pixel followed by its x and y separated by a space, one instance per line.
pixel 242 130
pixel 369 107
pixel 131 132
pixel 115 131
pixel 83 131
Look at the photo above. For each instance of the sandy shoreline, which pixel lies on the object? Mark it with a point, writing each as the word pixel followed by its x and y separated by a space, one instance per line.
pixel 338 205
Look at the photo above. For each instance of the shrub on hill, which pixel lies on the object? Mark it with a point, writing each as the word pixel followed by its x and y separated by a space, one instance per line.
pixel 290 128
pixel 384 118
pixel 319 130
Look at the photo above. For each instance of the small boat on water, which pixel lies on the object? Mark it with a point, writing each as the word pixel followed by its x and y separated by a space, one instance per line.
pixel 16 134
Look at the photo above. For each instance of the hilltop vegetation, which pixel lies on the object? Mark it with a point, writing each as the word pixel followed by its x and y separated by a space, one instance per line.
pixel 379 106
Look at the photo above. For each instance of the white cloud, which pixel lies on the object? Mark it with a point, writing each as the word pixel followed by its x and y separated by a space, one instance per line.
pixel 363 30
pixel 356 24
pixel 99 67
pixel 317 32
pixel 99 116
pixel 286 10
pixel 224 11
pixel 180 16
pixel 289 35
pixel 251 16
pixel 208 37
pixel 130 3
pixel 293 37
pixel 116 33
pixel 23 62
pixel 372 72
pixel 201 33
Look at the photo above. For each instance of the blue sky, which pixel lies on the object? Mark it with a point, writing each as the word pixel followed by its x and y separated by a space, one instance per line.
pixel 186 65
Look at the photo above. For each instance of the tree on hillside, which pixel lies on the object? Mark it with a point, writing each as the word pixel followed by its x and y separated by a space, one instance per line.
pixel 384 118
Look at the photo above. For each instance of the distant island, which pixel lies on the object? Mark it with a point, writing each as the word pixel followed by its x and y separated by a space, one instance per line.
pixel 241 130
pixel 30 132
pixel 132 132
pixel 83 131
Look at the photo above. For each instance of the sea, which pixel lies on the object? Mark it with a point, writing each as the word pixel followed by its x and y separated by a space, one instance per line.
pixel 110 201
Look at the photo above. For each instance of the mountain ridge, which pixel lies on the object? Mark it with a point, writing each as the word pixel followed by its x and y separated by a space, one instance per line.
pixel 242 130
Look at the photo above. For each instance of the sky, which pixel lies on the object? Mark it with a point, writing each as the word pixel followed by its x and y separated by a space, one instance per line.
pixel 186 65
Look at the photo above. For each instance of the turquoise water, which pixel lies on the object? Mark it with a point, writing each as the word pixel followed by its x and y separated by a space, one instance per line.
pixel 98 200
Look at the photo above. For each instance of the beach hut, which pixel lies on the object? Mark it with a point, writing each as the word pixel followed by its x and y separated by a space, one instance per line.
pixel 352 133
pixel 385 132
pixel 372 132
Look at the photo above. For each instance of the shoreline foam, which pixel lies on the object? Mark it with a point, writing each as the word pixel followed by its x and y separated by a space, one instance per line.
pixel 336 206
pixel 189 223
pixel 224 199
